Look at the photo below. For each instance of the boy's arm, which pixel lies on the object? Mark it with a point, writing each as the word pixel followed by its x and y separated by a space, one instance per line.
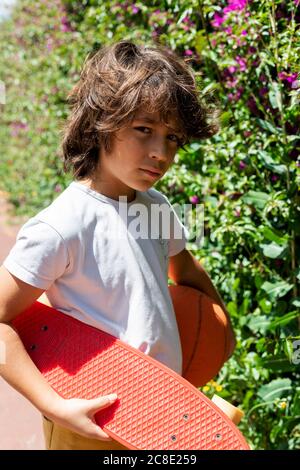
pixel 17 368
pixel 185 269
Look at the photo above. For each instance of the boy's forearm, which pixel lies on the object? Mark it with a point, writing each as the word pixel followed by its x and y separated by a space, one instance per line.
pixel 17 368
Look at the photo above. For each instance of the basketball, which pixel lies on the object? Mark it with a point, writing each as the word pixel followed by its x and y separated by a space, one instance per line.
pixel 204 331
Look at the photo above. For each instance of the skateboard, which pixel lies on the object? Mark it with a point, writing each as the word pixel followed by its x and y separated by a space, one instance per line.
pixel 157 409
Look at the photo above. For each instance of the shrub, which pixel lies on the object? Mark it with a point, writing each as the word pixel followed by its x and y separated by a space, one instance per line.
pixel 247 176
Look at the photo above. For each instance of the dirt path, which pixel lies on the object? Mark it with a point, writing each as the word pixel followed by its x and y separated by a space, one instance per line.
pixel 20 427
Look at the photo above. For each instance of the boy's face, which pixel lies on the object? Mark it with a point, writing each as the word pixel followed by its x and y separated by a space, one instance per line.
pixel 145 144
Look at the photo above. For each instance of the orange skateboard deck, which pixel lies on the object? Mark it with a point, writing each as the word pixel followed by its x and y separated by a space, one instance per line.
pixel 156 408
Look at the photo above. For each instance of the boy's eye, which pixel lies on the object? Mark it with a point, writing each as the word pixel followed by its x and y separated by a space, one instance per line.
pixel 175 138
pixel 141 129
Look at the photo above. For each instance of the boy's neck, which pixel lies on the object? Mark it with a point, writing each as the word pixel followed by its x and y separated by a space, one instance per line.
pixel 106 190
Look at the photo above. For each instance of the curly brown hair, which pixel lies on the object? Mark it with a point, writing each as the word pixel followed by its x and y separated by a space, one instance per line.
pixel 116 81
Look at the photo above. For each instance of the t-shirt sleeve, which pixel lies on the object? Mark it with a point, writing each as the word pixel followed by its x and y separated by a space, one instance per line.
pixel 39 255
pixel 178 232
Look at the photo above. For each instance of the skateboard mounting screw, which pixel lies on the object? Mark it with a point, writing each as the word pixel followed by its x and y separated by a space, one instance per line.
pixel 32 347
pixel 44 328
pixel 218 436
pixel 173 438
pixel 185 417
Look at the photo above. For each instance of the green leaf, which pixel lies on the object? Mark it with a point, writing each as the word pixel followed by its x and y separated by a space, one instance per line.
pixel 201 41
pixel 277 289
pixel 225 118
pixel 269 163
pixel 280 364
pixel 287 318
pixel 274 236
pixel 272 250
pixel 255 373
pixel 296 302
pixel 259 324
pixel 275 95
pixel 275 389
pixel 268 126
pixel 265 305
pixel 289 349
pixel 258 281
pixel 194 146
pixel 256 198
pixel 232 308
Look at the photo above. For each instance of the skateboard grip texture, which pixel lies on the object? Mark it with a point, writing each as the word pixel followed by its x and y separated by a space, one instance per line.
pixel 156 408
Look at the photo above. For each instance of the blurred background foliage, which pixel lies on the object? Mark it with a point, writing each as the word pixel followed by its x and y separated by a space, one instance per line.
pixel 247 176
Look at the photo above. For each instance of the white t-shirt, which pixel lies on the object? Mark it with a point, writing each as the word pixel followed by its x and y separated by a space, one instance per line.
pixel 100 263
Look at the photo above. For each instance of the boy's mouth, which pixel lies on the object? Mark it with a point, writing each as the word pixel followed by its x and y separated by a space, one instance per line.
pixel 154 174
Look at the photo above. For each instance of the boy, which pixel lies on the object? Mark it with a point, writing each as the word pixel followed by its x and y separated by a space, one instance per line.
pixel 132 108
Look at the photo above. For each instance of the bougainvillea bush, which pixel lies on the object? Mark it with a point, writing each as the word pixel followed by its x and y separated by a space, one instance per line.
pixel 245 55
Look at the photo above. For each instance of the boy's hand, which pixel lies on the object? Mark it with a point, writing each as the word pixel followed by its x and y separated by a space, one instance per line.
pixel 78 415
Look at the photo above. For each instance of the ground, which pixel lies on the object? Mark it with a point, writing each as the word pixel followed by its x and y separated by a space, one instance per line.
pixel 21 426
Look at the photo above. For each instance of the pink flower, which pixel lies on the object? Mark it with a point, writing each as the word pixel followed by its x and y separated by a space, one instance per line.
pixel 231 83
pixel 236 96
pixel 289 77
pixel 194 199
pixel 242 63
pixel 217 21
pixel 274 178
pixel 263 78
pixel 247 133
pixel 251 50
pixel 235 5
pixel 65 25
pixel 16 127
pixel 242 165
pixel 65 28
pixel 188 52
pixel 49 44
pixel 232 69
pixel 237 213
pixel 239 92
pixel 135 9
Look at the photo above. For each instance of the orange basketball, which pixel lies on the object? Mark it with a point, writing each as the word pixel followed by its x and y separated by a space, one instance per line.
pixel 204 334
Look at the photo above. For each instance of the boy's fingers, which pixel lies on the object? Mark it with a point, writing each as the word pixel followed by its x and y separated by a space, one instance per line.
pixel 100 434
pixel 96 404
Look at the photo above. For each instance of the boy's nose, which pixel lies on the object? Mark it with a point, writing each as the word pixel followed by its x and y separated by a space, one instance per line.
pixel 159 152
